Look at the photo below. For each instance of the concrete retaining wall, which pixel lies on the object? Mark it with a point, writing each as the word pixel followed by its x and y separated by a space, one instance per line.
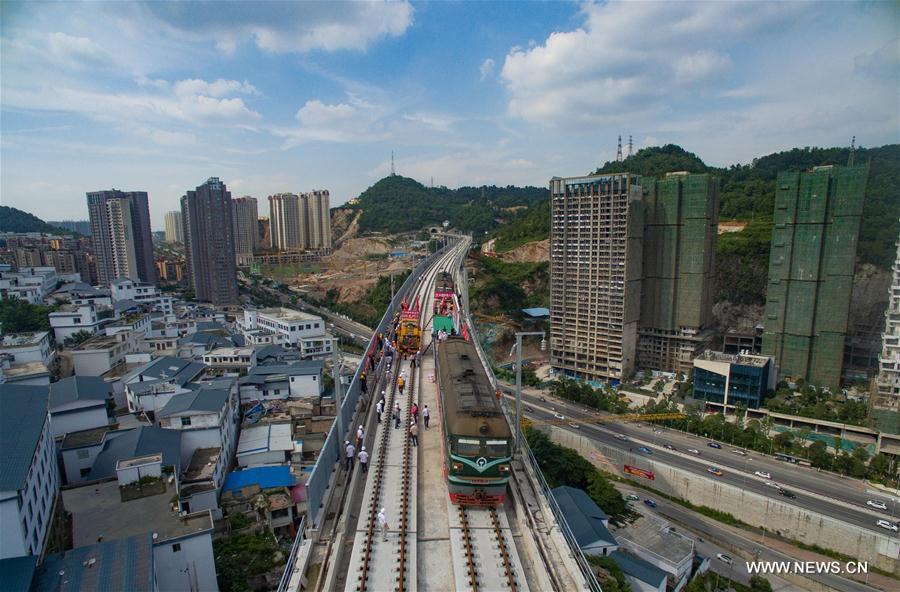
pixel 787 520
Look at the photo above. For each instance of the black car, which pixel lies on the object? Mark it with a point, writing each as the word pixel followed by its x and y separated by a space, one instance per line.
pixel 787 494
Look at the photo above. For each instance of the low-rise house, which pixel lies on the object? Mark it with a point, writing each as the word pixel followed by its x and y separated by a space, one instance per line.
pixel 71 319
pixel 278 484
pixel 651 539
pixel 284 326
pixel 587 521
pixel 265 445
pixel 29 477
pixel 196 345
pixel 137 442
pixel 80 403
pixel 289 381
pixel 151 386
pixel 641 575
pixel 101 353
pixel 230 360
pixel 27 373
pixel 142 293
pixel 136 322
pixel 274 355
pixel 31 284
pixel 79 450
pixel 121 564
pixel 28 347
pixel 183 558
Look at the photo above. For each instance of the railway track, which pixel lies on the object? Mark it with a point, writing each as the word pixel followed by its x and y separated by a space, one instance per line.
pixel 476 574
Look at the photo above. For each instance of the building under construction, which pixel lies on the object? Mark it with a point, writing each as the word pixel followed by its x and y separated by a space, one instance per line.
pixel 681 216
pixel 813 254
pixel 888 383
pixel 595 274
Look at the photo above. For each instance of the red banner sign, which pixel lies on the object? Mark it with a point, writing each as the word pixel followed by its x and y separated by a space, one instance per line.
pixel 639 472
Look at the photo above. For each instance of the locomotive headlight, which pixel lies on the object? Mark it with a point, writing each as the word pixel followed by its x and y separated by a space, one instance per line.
pixel 504 468
pixel 456 466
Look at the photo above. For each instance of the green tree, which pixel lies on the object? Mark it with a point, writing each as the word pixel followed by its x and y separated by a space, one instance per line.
pixel 19 316
pixel 76 339
pixel 605 495
pixel 819 456
pixel 760 584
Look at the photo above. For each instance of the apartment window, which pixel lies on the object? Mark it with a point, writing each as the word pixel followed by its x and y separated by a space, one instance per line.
pixel 83 454
pixel 77 321
pixel 185 421
pixel 176 547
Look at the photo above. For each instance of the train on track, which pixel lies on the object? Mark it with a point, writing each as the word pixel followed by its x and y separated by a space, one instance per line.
pixel 409 331
pixel 446 305
pixel 477 441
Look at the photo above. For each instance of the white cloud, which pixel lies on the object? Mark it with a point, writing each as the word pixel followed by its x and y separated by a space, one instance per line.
pixel 288 27
pixel 355 120
pixel 73 49
pixel 217 88
pixel 630 59
pixel 487 68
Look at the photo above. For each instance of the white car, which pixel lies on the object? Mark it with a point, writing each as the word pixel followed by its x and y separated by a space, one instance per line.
pixel 888 525
pixel 693 451
pixel 763 474
pixel 621 437
pixel 877 504
pixel 559 416
pixel 725 558
pixel 741 452
pixel 773 484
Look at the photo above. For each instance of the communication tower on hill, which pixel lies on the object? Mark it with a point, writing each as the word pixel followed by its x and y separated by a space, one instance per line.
pixel 619 150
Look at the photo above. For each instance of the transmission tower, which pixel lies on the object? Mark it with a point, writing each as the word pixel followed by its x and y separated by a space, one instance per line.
pixel 392 164
pixel 619 150
pixel 630 146
pixel 852 151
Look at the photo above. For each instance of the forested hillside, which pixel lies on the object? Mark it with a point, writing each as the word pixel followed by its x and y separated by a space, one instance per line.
pixel 13 220
pixel 400 204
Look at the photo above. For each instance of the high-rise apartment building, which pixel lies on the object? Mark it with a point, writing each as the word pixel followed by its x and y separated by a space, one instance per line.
pixel 120 233
pixel 174 228
pixel 209 242
pixel 244 215
pixel 596 236
pixel 813 254
pixel 287 220
pixel 888 383
pixel 319 218
pixel 680 223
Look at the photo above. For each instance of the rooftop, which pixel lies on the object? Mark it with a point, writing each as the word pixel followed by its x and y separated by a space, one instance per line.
pixel 267 477
pixel 99 342
pixel 134 442
pixel 124 564
pixel 25 369
pixel 288 314
pixel 265 438
pixel 638 568
pixel 167 368
pixel 90 437
pixel 23 411
pixel 653 535
pixel 79 388
pixel 22 339
pixel 17 573
pixel 231 351
pixel 203 400
pixel 584 517
pixel 98 513
pixel 742 359
pixel 203 464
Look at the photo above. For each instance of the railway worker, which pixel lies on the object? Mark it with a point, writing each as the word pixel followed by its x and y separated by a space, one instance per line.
pixel 414 432
pixel 363 460
pixel 426 415
pixel 364 384
pixel 359 435
pixel 350 450
pixel 379 408
pixel 397 416
pixel 400 384
pixel 414 411
pixel 383 523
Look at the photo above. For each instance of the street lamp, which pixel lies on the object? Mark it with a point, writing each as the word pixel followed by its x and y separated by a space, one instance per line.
pixel 519 336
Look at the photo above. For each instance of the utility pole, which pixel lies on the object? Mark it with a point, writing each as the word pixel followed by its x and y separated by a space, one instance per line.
pixel 392 163
pixel 519 336
pixel 852 151
pixel 336 375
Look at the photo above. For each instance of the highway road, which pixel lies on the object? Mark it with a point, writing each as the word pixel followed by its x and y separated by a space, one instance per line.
pixel 843 499
pixel 716 537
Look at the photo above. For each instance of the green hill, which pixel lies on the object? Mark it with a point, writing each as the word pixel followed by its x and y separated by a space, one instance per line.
pixel 13 220
pixel 400 204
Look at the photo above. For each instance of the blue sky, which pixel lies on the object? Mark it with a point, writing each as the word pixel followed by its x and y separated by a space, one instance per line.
pixel 279 96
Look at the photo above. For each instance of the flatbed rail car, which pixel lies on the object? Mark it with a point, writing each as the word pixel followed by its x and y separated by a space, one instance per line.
pixel 446 305
pixel 477 439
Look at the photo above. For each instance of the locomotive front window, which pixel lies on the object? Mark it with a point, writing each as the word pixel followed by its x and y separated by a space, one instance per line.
pixel 468 447
pixel 497 448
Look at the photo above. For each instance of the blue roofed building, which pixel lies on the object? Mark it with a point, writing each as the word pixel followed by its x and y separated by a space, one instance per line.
pixel 587 521
pixel 283 381
pixel 264 477
pixel 149 387
pixel 29 477
pixel 122 564
pixel 536 314
pixel 80 403
pixel 138 442
pixel 17 573
pixel 641 575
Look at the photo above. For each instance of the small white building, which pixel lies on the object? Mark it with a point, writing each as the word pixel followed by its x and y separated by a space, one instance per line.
pixel 80 403
pixel 230 360
pixel 287 327
pixel 28 347
pixel 265 445
pixel 71 319
pixel 31 284
pixel 150 387
pixel 284 381
pixel 142 293
pixel 101 353
pixel 29 477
